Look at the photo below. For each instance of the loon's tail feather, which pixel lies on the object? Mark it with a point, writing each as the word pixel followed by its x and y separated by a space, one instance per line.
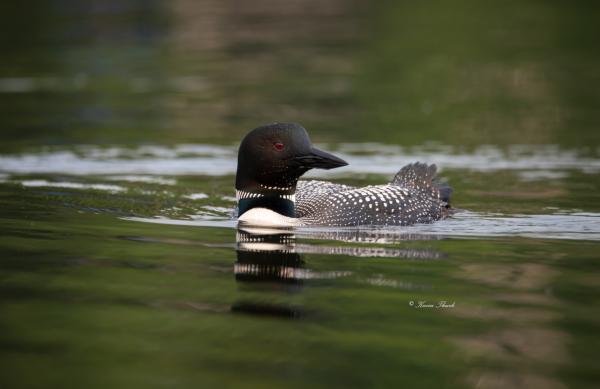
pixel 422 177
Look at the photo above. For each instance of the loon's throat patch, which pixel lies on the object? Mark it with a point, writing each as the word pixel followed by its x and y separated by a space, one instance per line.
pixel 282 204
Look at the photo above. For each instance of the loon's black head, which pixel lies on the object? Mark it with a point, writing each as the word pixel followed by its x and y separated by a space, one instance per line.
pixel 271 158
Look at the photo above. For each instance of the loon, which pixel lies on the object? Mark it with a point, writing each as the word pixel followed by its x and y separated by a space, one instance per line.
pixel 271 159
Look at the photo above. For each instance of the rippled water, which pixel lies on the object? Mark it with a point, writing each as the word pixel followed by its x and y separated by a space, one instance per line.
pixel 133 252
pixel 532 162
pixel 113 253
pixel 102 169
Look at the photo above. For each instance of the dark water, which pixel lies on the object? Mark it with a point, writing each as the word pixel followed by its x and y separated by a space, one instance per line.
pixel 121 266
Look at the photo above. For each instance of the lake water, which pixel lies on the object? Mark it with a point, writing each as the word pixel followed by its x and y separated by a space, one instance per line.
pixel 121 264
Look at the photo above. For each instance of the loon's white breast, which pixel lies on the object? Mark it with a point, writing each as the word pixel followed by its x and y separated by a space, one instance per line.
pixel 263 217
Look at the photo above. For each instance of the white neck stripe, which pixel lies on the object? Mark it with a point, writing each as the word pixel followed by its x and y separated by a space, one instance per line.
pixel 240 195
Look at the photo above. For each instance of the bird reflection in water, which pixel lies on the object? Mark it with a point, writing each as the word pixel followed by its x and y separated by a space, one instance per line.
pixel 269 257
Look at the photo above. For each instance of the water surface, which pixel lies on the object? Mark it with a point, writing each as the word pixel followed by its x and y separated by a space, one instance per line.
pixel 118 253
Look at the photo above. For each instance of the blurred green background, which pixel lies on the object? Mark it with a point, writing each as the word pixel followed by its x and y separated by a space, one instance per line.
pixel 405 72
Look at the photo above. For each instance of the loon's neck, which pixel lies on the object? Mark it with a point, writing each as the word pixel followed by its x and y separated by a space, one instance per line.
pixel 283 204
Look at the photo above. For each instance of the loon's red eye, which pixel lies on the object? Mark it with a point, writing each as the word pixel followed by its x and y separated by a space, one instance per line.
pixel 278 146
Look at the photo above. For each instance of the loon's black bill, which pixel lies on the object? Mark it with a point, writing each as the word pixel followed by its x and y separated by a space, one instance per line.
pixel 319 159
